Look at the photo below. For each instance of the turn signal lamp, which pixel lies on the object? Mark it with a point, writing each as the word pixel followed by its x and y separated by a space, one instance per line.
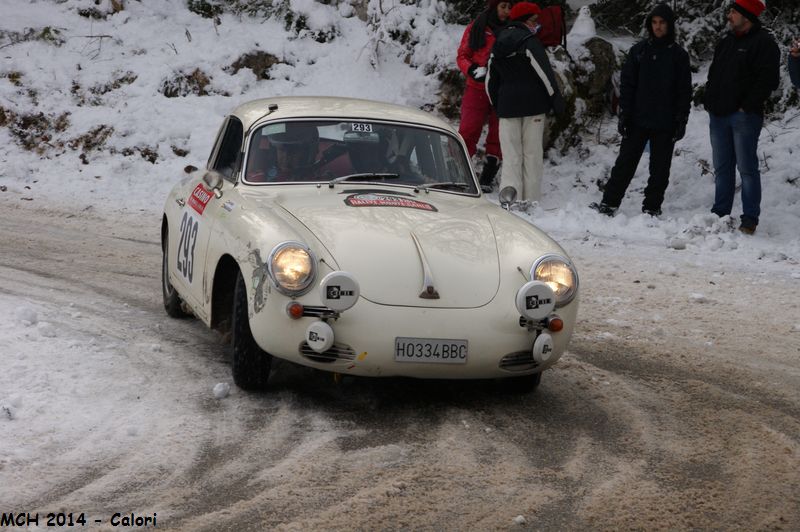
pixel 555 324
pixel 294 310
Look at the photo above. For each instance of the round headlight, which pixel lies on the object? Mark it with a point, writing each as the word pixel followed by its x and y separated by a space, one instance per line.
pixel 559 274
pixel 292 267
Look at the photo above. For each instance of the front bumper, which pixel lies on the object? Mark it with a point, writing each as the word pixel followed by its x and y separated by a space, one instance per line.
pixel 365 335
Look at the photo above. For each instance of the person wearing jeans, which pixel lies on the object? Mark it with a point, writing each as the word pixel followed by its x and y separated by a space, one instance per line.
pixel 743 73
pixel 794 63
pixel 734 143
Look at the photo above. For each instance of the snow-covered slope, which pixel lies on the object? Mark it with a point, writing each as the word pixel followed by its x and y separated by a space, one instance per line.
pixel 96 113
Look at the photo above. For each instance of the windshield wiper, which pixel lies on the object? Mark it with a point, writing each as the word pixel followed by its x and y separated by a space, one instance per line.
pixel 446 185
pixel 363 176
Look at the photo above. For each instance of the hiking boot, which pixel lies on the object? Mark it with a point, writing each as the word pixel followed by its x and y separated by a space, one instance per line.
pixel 603 208
pixel 525 206
pixel 652 212
pixel 489 172
pixel 747 229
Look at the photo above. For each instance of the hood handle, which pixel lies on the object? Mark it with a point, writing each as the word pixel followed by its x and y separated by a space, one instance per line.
pixel 428 290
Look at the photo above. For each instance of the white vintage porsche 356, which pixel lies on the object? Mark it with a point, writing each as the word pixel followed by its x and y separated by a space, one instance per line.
pixel 351 236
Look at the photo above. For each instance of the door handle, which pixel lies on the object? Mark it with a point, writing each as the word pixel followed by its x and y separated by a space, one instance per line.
pixel 180 201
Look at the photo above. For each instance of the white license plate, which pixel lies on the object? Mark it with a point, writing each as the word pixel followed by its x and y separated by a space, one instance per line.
pixel 430 350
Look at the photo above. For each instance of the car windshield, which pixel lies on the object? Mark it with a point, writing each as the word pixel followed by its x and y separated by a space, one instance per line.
pixel 352 152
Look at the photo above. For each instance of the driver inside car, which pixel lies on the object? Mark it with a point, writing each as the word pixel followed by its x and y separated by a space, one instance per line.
pixel 295 153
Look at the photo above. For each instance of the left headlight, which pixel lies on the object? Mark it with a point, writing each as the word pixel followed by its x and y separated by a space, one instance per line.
pixel 559 274
pixel 292 267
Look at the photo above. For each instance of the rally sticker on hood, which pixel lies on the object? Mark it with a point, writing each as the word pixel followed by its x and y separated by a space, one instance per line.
pixel 385 200
pixel 199 198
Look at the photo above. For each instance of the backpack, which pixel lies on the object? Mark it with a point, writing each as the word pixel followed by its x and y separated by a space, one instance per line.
pixel 554 29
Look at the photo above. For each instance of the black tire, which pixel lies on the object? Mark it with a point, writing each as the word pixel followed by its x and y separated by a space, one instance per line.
pixel 250 364
pixel 523 384
pixel 172 301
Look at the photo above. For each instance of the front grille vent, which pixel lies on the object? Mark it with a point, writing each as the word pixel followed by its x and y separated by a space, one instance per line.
pixel 519 361
pixel 337 352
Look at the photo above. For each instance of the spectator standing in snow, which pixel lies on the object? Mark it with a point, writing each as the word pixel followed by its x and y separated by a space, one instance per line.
pixel 794 63
pixel 655 98
pixel 743 73
pixel 476 111
pixel 522 88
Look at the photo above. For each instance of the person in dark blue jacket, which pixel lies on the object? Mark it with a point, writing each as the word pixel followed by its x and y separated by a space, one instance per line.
pixel 744 72
pixel 794 63
pixel 655 98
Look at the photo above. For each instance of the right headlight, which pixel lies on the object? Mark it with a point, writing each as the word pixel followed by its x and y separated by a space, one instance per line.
pixel 559 274
pixel 292 267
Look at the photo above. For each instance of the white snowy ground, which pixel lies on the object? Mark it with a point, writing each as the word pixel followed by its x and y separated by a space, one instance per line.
pixel 155 39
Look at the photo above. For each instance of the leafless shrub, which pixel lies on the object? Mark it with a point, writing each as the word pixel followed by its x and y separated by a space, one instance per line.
pixel 91 96
pixel 148 153
pixel 93 140
pixel 36 131
pixel 259 62
pixel 184 84
pixel 46 34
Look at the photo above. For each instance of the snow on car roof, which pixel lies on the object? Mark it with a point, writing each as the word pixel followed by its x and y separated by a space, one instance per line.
pixel 333 107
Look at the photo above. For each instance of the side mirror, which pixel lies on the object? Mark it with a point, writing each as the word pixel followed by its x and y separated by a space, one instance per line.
pixel 507 196
pixel 214 181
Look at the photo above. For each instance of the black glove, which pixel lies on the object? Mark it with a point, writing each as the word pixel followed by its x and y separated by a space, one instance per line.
pixel 477 72
pixel 680 130
pixel 559 106
pixel 624 125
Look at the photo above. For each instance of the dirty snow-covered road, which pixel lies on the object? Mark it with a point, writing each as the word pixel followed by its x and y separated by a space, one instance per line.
pixel 677 405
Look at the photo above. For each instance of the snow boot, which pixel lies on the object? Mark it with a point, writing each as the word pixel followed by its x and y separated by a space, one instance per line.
pixel 603 208
pixel 489 172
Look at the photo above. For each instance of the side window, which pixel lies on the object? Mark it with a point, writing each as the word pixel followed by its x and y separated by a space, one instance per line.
pixel 230 149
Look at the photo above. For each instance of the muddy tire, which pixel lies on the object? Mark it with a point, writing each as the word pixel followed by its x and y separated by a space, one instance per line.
pixel 250 364
pixel 172 301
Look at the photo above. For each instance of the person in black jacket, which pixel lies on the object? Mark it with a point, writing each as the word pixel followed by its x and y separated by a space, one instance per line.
pixel 655 97
pixel 743 73
pixel 522 88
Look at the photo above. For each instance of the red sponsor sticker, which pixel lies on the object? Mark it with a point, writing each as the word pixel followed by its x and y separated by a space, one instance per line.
pixel 199 198
pixel 383 200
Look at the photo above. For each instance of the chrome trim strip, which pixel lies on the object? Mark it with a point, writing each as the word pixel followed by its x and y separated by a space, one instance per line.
pixel 428 290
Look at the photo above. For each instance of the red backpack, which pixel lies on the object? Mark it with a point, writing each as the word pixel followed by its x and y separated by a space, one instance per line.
pixel 554 29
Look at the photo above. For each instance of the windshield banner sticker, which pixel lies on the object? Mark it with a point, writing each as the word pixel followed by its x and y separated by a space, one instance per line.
pixel 385 200
pixel 199 198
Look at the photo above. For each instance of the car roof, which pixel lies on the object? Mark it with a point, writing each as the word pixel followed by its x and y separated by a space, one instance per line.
pixel 332 107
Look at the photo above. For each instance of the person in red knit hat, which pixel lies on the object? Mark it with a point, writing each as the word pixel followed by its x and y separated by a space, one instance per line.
pixel 476 111
pixel 744 72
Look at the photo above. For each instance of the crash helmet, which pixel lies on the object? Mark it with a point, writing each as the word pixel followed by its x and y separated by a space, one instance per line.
pixel 295 147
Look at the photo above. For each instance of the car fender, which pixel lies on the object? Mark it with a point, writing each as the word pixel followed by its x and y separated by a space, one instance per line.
pixel 248 232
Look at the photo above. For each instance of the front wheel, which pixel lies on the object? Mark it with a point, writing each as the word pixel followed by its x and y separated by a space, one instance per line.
pixel 172 301
pixel 250 364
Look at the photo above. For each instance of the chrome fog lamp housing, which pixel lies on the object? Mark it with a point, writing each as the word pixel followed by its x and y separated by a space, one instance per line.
pixel 292 267
pixel 559 274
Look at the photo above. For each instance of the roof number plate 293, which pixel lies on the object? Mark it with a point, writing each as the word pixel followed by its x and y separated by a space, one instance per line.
pixel 430 350
pixel 362 127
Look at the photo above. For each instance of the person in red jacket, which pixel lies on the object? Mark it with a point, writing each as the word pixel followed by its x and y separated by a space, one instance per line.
pixel 476 110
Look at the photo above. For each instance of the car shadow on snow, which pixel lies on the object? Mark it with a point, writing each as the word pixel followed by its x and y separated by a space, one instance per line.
pixel 388 410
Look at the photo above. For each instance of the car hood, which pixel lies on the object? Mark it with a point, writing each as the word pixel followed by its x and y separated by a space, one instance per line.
pixel 393 241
